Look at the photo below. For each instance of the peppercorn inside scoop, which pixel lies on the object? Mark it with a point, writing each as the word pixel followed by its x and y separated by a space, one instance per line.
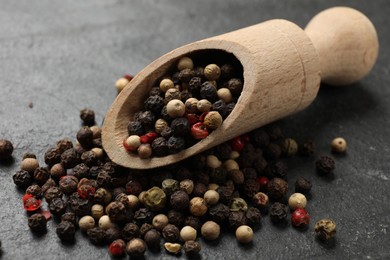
pixel 186 104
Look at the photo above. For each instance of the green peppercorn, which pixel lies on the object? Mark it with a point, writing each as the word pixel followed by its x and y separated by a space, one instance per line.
pixel 155 199
pixel 289 147
pixel 238 204
pixel 170 186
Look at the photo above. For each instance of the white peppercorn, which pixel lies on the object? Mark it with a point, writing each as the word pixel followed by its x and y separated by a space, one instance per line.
pixel 97 211
pixel 105 222
pixel 210 230
pixel 198 206
pixel 212 71
pixel 213 120
pixel 98 151
pixel 213 186
pixel 176 108
pixel 191 105
pixel 211 197
pixel 185 63
pixel 234 155
pixel 187 185
pixel 230 165
pixel 166 84
pixel 86 222
pixel 173 248
pixel 204 105
pixel 133 201
pixel 212 161
pixel 132 143
pixel 339 145
pixel 297 201
pixel 160 125
pixel 225 95
pixel 244 234
pixel 121 83
pixel 29 164
pixel 188 233
pixel 160 221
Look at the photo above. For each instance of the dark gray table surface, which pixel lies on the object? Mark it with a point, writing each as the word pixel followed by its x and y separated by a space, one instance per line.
pixel 66 55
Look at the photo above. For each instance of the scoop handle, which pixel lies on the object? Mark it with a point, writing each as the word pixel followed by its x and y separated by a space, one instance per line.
pixel 346 42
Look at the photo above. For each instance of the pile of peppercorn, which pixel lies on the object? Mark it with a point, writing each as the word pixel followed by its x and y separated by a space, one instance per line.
pixel 185 107
pixel 231 186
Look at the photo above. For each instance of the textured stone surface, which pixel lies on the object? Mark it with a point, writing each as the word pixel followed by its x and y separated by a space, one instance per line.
pixel 65 55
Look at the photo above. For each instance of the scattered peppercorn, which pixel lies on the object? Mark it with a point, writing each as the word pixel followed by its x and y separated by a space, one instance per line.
pixel 302 185
pixel 297 201
pixel 37 222
pixel 325 164
pixel 300 218
pixel 244 234
pixel 6 149
pixel 277 188
pixel 66 231
pixel 117 248
pixel 339 145
pixel 325 229
pixel 87 116
pixel 278 212
pixel 136 247
pixel 22 179
pixel 210 230
pixel 308 148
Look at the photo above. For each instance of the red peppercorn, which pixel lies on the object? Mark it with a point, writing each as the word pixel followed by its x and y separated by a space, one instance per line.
pixel 263 181
pixel 237 144
pixel 300 217
pixel 46 214
pixel 202 116
pixel 192 118
pixel 148 138
pixel 31 203
pixel 85 191
pixel 199 131
pixel 128 77
pixel 117 247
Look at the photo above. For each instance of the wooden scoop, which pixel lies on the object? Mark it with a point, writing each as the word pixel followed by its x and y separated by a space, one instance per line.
pixel 282 69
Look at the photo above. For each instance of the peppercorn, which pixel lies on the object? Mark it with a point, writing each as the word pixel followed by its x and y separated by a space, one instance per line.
pixel 210 230
pixel 145 227
pixel 260 138
pixel 276 169
pixel 105 222
pixel 102 196
pixel 260 200
pixel 188 233
pixel 302 185
pixel 325 229
pixel 154 103
pixel 338 145
pixel 155 199
pixel 179 200
pixel 180 126
pixel 297 200
pixel 278 212
pixel 34 190
pixel 213 120
pixel 69 216
pixel 171 94
pixel 52 156
pixel 175 144
pixel 70 158
pixel 22 179
pixel 236 219
pixel 263 181
pixel 191 248
pixel 251 187
pixel 272 152
pixel 79 206
pixel 160 221
pixel 277 188
pixel 166 84
pixel 198 206
pixel 117 247
pixel 185 75
pixel 185 63
pixel 89 158
pixel 116 211
pixel 212 72
pixel 175 218
pixel 87 116
pixel 37 222
pixel 300 218
pixel 225 95
pixel 147 119
pixel 48 184
pixel 187 185
pixel 6 149
pixel 308 148
pixel 136 247
pixel 57 207
pixel 244 234
pixel 68 184
pixel 225 194
pixel 57 171
pixel 121 83
pixel 52 193
pixel 289 147
pixel 219 212
pixel 253 217
pixel 235 86
pixel 143 215
pixel 203 105
pixel 41 175
pixel 130 231
pixel 66 231
pixel 86 222
pixel 170 233
pixel 211 197
pixel 30 203
pixel 173 248
pixel 152 239
pixel 160 147
pixel 135 128
pixel 96 235
pixel 63 145
pixel 85 137
pixel 29 155
pixel 325 164
pixel 29 164
pixel 238 204
pixel 113 234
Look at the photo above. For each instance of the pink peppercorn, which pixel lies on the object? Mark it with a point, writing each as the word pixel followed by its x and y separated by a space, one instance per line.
pixel 300 217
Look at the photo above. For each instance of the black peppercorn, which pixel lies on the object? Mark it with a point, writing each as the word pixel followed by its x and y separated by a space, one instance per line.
pixel 69 216
pixel 70 158
pixel 253 217
pixel 78 205
pixel 179 200
pixel 191 248
pixel 154 103
pixel 96 235
pixel 225 194
pixel 278 212
pixel 22 179
pixel 66 231
pixel 80 171
pixel 180 126
pixel 171 233
pixel 221 108
pixel 52 156
pixel 133 187
pixel 68 184
pixel 202 177
pixel 153 239
pixel 48 184
pixel 103 179
pixel 87 116
pixel 84 137
pixel 135 128
pixel 277 188
pixel 34 190
pixel 57 207
pixel 160 147
pixel 52 193
pixel 193 221
pixel 235 86
pixel 272 152
pixel 175 144
pixel 6 149
pixel 89 158
pixel 164 115
pixel 260 138
pixel 194 85
pixel 185 94
pixel 143 215
pixel 219 212
pixel 302 185
pixel 147 119
pixel 94 171
pixel 236 219
pixel 166 132
pixel 175 218
pixel 130 231
pixel 145 228
pixel 277 169
pixel 199 189
pixel 249 173
pixel 116 211
pixel 112 234
pixel 154 91
pixel 251 187
pixel 208 91
pixel 186 75
pixel 63 145
pixel 218 175
pixel 325 164
pixel 41 175
pixel 37 222
pixel 308 148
